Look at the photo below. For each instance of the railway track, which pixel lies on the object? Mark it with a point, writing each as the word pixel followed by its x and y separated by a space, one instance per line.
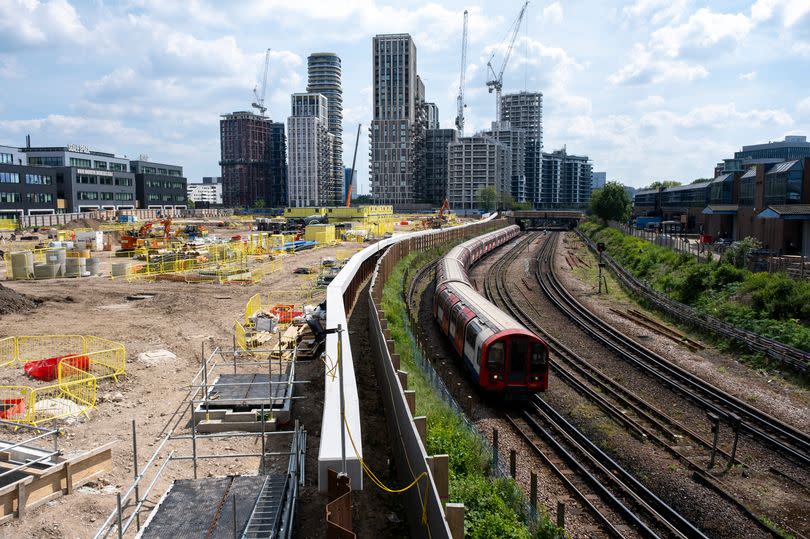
pixel 788 441
pixel 789 356
pixel 620 504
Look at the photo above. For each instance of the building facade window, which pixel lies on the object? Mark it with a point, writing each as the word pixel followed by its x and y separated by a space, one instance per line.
pixel 86 180
pixel 6 158
pixel 123 182
pixel 39 198
pixel 106 196
pixel 747 191
pixel 45 161
pixel 38 179
pixel 123 196
pixel 100 165
pixel 118 167
pixel 76 162
pixel 87 195
pixel 9 177
pixel 9 198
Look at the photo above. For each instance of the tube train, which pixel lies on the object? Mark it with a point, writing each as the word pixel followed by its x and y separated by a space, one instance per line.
pixel 497 350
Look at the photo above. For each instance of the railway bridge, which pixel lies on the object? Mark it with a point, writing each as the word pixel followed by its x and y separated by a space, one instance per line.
pixel 556 219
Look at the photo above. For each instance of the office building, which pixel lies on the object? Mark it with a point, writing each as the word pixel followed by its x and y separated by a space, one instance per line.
pixel 524 111
pixel 210 180
pixel 474 163
pixel 599 180
pixel 437 143
pixel 393 128
pixel 27 190
pixel 516 140
pixel 324 77
pixel 566 180
pixel 86 180
pixel 204 194
pixel 432 116
pixel 158 185
pixel 253 160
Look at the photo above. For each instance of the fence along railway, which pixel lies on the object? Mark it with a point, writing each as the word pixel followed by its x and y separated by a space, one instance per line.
pixel 640 418
pixel 789 356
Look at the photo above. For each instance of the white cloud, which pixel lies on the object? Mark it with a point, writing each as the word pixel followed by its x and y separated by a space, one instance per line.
pixel 718 116
pixel 26 23
pixel 804 106
pixel 652 101
pixel 791 12
pixel 751 75
pixel 656 11
pixel 553 13
pixel 645 68
pixel 9 68
pixel 703 30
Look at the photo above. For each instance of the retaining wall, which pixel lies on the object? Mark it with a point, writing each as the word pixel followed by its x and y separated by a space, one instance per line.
pixel 408 445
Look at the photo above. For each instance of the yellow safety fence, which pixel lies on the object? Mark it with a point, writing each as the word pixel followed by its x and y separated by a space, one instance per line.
pixel 253 306
pixel 8 224
pixel 74 394
pixel 104 358
pixel 241 335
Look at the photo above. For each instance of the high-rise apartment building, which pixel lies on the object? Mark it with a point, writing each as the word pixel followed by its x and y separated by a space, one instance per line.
pixel 396 110
pixel 474 163
pixel 311 167
pixel 599 180
pixel 524 110
pixel 516 140
pixel 566 180
pixel 437 143
pixel 253 160
pixel 432 112
pixel 324 77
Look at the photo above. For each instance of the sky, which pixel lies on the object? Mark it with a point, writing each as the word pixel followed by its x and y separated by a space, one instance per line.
pixel 648 89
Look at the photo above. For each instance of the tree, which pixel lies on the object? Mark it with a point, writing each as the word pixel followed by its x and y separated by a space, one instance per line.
pixel 610 203
pixel 259 204
pixel 663 184
pixel 191 204
pixel 487 197
pixel 701 180
pixel 505 201
pixel 522 206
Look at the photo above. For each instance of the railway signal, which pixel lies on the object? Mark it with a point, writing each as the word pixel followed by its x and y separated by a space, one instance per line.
pixel 600 247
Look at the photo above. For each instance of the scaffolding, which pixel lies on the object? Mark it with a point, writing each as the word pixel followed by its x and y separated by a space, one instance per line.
pixel 267 500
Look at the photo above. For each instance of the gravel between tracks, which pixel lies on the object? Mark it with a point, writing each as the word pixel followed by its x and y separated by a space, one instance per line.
pixel 651 464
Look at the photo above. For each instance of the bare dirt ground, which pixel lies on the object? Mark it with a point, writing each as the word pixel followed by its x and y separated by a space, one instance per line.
pixel 179 318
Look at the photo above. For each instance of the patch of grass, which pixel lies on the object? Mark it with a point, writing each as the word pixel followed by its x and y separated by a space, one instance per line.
pixel 494 506
pixel 775 527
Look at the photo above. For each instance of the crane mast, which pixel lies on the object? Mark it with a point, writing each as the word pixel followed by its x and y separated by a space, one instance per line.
pixel 259 103
pixel 496 82
pixel 460 99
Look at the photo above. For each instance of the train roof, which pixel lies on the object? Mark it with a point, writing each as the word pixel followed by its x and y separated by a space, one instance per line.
pixel 484 310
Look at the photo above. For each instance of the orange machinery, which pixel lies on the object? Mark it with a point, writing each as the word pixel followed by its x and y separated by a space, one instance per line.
pixel 132 239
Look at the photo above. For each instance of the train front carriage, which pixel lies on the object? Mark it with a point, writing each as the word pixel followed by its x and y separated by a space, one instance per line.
pixel 514 360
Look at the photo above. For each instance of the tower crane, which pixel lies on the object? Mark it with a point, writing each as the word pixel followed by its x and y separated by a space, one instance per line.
pixel 259 103
pixel 460 99
pixel 496 81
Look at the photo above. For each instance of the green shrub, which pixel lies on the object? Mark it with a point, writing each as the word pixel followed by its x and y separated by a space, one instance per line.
pixel 773 305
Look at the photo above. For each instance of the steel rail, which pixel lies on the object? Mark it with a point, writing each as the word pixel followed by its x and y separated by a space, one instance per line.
pixel 762 426
pixel 495 285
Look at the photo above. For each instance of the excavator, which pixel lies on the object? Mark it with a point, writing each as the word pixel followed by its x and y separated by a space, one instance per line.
pixel 134 239
pixel 438 220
